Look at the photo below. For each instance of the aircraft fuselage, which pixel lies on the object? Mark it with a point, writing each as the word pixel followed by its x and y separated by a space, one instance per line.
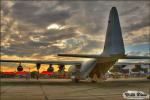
pixel 101 68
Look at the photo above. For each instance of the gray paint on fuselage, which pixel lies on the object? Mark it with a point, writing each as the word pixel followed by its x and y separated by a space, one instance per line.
pixel 87 67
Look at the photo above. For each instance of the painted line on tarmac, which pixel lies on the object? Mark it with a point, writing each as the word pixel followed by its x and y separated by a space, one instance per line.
pixel 101 97
pixel 46 98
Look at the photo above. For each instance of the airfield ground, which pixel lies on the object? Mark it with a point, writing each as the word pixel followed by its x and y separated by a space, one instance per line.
pixel 64 89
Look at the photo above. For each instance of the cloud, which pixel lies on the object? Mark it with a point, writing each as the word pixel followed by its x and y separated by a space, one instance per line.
pixel 38 15
pixel 138 25
pixel 139 36
pixel 138 53
pixel 24 26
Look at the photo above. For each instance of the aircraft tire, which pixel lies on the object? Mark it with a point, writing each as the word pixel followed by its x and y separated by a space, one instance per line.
pixel 75 80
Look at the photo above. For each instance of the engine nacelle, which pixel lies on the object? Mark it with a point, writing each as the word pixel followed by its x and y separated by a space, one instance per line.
pixel 19 68
pixel 50 68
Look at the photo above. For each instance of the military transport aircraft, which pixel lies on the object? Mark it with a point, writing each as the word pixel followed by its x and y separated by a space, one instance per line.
pixel 98 64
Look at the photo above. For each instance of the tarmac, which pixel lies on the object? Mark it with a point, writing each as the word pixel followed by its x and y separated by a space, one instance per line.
pixel 65 89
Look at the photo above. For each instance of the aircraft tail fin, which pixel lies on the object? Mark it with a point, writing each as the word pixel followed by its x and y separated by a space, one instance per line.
pixel 114 42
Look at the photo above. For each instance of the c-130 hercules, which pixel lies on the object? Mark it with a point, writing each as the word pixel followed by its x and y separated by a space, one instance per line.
pixel 98 64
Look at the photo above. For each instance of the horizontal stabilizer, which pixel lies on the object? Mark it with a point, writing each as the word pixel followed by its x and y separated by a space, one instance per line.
pixel 137 57
pixel 132 63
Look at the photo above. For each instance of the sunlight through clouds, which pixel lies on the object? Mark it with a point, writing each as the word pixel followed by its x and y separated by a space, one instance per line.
pixel 55 27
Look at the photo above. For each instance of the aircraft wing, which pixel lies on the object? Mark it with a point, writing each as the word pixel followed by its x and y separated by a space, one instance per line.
pixel 104 56
pixel 80 55
pixel 44 62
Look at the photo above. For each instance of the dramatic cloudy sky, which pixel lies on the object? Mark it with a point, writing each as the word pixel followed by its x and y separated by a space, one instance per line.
pixel 41 29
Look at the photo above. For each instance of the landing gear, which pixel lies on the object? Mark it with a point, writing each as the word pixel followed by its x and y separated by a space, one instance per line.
pixel 94 78
pixel 93 81
pixel 98 78
pixel 75 80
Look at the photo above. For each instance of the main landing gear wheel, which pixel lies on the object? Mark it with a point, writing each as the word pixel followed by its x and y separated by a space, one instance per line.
pixel 94 79
pixel 75 80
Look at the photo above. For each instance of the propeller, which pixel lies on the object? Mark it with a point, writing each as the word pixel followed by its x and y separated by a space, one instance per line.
pixel 61 67
pixel 38 65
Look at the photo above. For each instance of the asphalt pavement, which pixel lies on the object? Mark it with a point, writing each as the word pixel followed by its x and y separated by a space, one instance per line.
pixel 64 89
